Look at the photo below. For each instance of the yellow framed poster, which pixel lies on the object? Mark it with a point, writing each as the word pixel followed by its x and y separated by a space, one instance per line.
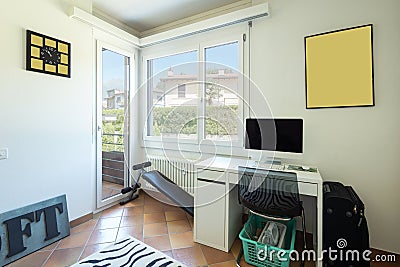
pixel 339 68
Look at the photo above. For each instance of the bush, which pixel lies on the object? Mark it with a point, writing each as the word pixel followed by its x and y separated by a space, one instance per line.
pixel 220 120
pixel 112 142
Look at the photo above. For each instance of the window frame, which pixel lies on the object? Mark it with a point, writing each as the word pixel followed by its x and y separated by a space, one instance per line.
pixel 225 40
pixel 103 40
pixel 197 43
pixel 147 98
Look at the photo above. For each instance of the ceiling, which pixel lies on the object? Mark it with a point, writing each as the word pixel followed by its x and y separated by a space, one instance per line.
pixel 142 15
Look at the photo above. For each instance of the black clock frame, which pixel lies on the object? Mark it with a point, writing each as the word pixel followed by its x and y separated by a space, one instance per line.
pixel 53 55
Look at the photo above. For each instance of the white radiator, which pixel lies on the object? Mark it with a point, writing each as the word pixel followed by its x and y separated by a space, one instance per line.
pixel 180 171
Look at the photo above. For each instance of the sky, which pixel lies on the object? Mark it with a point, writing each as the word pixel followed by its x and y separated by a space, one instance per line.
pixel 225 54
pixel 113 71
pixel 113 63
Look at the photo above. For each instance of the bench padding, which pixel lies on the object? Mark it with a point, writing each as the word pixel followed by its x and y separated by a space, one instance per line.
pixel 171 190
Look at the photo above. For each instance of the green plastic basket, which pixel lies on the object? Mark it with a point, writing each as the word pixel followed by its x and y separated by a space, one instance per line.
pixel 259 254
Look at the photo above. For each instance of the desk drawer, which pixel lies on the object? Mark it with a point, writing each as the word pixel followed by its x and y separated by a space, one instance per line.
pixel 212 175
pixel 308 189
pixel 210 212
pixel 232 178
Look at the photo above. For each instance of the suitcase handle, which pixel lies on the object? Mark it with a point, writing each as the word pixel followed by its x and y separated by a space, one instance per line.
pixel 359 204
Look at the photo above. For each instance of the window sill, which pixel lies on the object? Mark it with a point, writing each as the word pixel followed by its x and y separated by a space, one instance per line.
pixel 214 148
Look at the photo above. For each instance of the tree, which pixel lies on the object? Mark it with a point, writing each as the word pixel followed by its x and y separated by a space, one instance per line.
pixel 212 92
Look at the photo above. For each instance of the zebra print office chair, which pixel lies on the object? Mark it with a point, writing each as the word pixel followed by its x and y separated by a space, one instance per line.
pixel 271 194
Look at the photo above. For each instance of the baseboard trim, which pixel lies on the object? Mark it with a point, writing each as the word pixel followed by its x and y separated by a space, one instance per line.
pixel 81 220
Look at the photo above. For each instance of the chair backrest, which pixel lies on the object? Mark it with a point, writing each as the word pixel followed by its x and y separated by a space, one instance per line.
pixel 269 192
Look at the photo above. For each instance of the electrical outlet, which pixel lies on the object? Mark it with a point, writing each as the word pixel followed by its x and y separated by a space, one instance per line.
pixel 3 153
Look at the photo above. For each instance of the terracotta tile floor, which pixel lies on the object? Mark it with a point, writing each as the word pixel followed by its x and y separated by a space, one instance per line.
pixel 110 189
pixel 159 225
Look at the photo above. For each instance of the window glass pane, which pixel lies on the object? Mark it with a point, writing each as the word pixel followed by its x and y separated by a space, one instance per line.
pixel 114 101
pixel 221 92
pixel 173 91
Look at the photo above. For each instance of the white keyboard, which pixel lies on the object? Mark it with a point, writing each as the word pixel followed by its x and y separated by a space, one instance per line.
pixel 275 167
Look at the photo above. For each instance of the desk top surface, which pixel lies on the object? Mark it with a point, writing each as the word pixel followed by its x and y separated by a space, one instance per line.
pixel 226 164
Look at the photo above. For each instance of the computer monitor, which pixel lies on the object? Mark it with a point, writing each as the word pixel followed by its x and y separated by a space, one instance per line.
pixel 280 135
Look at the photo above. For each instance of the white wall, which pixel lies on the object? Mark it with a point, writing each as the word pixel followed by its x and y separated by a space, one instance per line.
pixel 357 146
pixel 46 121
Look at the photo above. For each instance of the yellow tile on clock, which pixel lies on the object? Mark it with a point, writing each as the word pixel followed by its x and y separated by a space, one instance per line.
pixel 64 59
pixel 50 68
pixel 51 43
pixel 36 40
pixel 36 64
pixel 63 48
pixel 35 51
pixel 62 69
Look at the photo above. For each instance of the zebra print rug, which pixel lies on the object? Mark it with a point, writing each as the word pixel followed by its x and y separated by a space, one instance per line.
pixel 129 252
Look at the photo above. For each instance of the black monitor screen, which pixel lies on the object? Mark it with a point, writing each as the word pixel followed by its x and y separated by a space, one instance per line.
pixel 285 135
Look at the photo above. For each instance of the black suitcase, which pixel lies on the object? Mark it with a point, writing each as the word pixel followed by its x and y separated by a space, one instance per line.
pixel 344 227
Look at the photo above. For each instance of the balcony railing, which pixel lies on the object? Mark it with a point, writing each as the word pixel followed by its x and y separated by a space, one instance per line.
pixel 113 160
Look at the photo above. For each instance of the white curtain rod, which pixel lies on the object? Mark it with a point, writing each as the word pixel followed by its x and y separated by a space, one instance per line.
pixel 235 17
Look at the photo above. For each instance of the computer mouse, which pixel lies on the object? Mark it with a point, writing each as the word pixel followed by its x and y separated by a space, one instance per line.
pixel 306 168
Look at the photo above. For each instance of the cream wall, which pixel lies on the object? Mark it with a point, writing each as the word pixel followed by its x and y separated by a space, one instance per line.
pixel 46 121
pixel 357 146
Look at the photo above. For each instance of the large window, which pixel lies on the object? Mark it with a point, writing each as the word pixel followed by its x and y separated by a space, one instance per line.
pixel 195 95
pixel 172 86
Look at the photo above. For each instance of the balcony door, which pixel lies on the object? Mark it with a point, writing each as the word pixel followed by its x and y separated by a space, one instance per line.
pixel 113 87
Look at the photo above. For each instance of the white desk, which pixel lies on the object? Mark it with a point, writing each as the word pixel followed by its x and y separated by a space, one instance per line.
pixel 217 213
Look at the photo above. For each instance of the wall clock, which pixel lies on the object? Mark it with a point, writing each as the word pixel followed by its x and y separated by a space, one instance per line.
pixel 47 55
